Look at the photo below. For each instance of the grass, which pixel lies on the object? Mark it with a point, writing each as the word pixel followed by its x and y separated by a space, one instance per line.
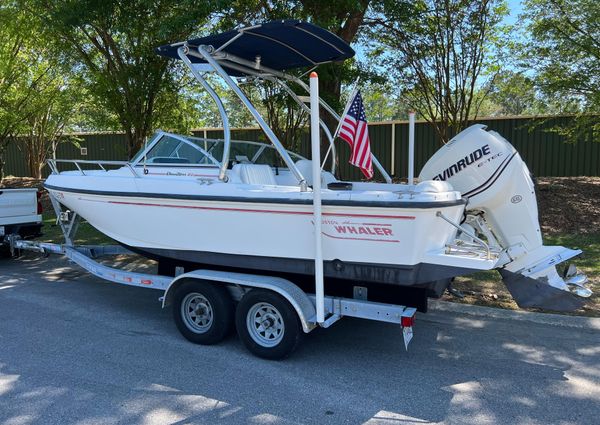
pixel 487 289
pixel 86 234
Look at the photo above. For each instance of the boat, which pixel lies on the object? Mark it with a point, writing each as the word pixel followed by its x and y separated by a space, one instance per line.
pixel 191 202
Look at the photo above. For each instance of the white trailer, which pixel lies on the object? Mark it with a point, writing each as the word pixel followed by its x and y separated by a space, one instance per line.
pixel 271 314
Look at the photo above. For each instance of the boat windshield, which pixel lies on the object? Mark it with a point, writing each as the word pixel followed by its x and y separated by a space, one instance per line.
pixel 177 150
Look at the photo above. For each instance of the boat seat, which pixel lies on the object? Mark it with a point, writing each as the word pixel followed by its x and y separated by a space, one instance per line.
pixel 255 174
pixel 305 167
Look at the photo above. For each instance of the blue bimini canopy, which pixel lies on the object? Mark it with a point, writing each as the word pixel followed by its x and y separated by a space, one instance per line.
pixel 280 45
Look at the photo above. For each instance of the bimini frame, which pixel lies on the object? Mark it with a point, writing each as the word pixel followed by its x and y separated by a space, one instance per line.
pixel 216 59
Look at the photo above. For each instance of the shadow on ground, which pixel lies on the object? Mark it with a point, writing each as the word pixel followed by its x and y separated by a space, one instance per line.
pixel 74 349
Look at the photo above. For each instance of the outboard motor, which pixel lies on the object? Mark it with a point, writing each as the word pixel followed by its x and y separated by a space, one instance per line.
pixel 502 208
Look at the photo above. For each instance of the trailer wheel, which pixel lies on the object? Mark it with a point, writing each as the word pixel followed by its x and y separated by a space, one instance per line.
pixel 267 324
pixel 203 312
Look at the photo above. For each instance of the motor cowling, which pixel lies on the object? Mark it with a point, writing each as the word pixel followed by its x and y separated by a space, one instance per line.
pixel 487 170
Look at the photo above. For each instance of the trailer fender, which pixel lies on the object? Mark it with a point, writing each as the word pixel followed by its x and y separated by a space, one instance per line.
pixel 299 300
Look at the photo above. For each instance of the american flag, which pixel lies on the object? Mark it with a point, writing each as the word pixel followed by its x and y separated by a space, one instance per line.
pixel 354 130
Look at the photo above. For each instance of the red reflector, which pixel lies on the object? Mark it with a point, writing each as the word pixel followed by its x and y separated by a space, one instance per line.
pixel 407 322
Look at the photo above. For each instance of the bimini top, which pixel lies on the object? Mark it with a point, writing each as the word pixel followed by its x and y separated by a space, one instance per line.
pixel 280 45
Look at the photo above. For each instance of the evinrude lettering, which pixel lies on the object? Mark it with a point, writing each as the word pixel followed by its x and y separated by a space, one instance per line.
pixel 464 163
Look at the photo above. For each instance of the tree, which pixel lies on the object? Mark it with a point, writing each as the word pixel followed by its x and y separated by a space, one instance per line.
pixel 15 90
pixel 438 54
pixel 30 79
pixel 342 17
pixel 111 43
pixel 205 110
pixel 564 52
pixel 49 114
pixel 514 93
pixel 383 102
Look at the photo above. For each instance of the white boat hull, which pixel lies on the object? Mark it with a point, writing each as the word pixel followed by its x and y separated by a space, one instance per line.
pixel 370 242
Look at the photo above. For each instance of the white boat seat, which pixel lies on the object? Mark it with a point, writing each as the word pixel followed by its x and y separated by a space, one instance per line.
pixel 305 167
pixel 255 174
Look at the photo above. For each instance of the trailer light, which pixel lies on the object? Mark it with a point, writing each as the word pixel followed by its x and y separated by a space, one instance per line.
pixel 407 321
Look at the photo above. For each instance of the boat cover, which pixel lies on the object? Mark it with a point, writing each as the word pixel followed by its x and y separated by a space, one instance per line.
pixel 281 45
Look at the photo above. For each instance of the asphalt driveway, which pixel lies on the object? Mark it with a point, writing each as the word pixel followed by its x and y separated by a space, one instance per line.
pixel 75 349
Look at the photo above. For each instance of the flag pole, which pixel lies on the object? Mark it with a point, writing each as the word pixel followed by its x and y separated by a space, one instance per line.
pixel 411 148
pixel 339 126
pixel 348 103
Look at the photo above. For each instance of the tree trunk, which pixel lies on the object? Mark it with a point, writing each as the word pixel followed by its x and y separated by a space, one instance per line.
pixel 134 143
pixel 135 139
pixel 32 166
pixel 2 150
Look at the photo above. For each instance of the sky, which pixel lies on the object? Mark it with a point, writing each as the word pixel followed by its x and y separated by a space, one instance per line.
pixel 515 7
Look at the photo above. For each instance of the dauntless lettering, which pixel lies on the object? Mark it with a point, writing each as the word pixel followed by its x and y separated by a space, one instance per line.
pixel 463 163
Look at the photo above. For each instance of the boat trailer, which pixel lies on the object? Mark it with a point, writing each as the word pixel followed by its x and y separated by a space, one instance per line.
pixel 205 302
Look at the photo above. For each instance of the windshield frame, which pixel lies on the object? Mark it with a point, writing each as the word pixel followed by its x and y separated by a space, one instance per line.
pixel 139 159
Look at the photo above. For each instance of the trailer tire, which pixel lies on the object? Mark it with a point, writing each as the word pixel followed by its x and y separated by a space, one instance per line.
pixel 203 312
pixel 284 332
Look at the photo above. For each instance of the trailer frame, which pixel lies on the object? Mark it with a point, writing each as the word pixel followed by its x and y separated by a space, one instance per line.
pixel 237 284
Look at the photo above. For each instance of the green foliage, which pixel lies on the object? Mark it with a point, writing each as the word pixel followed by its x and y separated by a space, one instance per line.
pixel 37 99
pixel 15 90
pixel 564 52
pixel 50 114
pixel 437 51
pixel 510 93
pixel 342 17
pixel 383 102
pixel 111 43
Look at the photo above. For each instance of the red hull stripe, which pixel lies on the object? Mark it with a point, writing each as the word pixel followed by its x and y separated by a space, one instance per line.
pixel 399 217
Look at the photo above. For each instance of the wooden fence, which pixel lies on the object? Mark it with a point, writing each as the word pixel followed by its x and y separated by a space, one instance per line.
pixel 544 151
